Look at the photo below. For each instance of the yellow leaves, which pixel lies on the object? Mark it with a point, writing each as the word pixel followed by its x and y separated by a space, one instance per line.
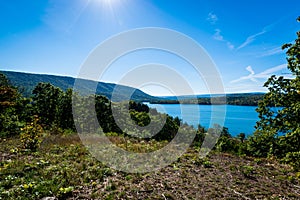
pixel 94 184
pixel 27 186
pixel 14 150
pixel 5 166
pixel 31 134
pixel 66 190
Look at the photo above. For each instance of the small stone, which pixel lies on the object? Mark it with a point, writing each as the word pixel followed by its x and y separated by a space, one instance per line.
pixel 49 198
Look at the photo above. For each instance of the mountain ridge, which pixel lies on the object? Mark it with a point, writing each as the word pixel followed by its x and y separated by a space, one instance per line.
pixel 26 82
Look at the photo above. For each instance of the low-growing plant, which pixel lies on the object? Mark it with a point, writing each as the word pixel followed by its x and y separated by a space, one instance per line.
pixel 247 170
pixel 65 192
pixel 207 164
pixel 293 159
pixel 31 135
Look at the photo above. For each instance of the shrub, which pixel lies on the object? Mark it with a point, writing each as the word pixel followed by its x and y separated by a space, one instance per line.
pixel 247 170
pixel 31 135
pixel 293 158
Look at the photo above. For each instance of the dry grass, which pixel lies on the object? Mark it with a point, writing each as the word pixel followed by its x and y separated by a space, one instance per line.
pixel 64 169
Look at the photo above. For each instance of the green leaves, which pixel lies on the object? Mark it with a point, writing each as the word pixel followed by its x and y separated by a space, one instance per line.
pixel 278 132
pixel 9 100
pixel 47 99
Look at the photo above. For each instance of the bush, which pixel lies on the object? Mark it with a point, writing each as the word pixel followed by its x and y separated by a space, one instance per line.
pixel 31 135
pixel 9 125
pixel 293 159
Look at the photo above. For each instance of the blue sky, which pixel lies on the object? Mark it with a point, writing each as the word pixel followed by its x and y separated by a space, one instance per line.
pixel 242 37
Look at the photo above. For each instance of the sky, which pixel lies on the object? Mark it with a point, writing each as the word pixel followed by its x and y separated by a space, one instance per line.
pixel 243 38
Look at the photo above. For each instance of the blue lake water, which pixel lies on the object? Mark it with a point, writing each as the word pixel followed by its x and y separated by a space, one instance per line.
pixel 237 119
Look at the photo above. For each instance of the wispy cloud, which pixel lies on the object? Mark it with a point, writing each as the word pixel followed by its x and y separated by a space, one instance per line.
pixel 253 37
pixel 271 52
pixel 244 88
pixel 249 68
pixel 229 45
pixel 262 75
pixel 218 36
pixel 212 18
pixel 250 39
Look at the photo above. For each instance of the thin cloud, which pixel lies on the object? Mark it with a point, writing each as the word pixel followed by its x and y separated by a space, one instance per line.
pixel 230 46
pixel 250 39
pixel 263 75
pixel 218 36
pixel 271 52
pixel 212 18
pixel 274 69
pixel 249 68
pixel 244 88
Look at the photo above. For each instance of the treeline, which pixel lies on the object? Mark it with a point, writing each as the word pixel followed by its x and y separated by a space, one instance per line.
pixel 50 109
pixel 53 108
pixel 243 100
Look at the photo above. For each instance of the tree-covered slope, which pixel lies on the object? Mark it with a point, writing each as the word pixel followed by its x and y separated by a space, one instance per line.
pixel 26 82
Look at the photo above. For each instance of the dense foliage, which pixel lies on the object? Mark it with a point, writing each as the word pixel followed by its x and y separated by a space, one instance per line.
pixel 53 108
pixel 278 130
pixel 9 100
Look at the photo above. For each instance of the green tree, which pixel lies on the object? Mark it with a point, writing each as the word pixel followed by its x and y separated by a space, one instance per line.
pixel 65 116
pixel 9 96
pixel 47 99
pixel 241 137
pixel 278 131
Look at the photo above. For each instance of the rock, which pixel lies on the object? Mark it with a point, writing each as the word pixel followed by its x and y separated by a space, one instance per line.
pixel 49 198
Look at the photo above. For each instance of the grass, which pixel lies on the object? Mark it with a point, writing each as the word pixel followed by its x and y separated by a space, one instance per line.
pixel 63 168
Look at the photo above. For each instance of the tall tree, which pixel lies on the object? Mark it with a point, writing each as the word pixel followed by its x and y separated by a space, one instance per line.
pixel 9 122
pixel 65 116
pixel 278 130
pixel 47 99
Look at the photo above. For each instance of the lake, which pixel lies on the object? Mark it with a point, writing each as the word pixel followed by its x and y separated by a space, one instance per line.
pixel 237 119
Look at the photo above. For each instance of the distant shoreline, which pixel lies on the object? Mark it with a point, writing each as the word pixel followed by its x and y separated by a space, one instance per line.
pixel 242 100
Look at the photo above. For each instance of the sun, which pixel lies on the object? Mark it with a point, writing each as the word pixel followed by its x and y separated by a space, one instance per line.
pixel 111 5
pixel 108 2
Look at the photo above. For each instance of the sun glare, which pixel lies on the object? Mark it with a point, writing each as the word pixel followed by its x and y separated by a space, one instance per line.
pixel 110 10
pixel 108 2
pixel 111 5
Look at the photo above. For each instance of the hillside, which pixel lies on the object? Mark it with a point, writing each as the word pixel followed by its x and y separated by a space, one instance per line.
pixel 26 82
pixel 62 168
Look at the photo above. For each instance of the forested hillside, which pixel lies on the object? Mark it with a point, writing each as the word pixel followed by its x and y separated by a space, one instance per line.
pixel 25 82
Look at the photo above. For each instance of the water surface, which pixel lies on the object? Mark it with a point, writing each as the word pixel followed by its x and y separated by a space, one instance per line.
pixel 238 119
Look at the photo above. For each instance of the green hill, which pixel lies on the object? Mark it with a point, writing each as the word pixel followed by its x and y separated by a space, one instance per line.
pixel 26 82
